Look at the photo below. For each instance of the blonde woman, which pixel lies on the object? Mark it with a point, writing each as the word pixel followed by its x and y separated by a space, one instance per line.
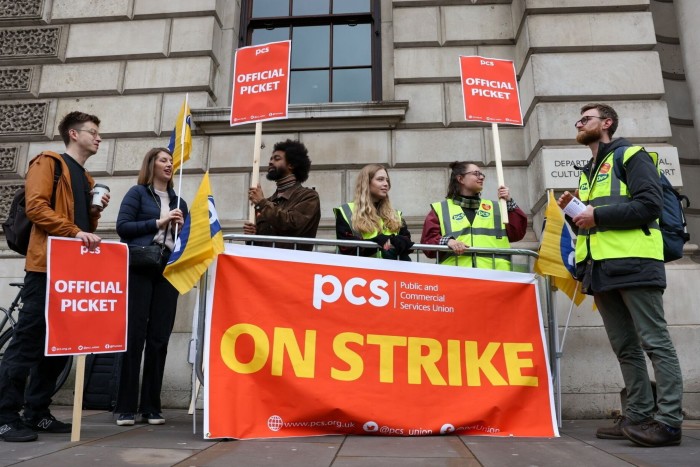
pixel 370 216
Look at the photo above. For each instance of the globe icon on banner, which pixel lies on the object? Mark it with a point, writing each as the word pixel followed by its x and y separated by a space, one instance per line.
pixel 274 423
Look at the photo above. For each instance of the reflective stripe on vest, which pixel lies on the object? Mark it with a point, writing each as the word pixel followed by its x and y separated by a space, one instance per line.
pixel 487 231
pixel 601 243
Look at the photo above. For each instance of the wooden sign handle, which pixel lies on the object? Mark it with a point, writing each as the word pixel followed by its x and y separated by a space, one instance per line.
pixel 78 398
pixel 255 176
pixel 499 170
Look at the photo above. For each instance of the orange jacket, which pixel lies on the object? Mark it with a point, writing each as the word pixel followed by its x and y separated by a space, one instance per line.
pixel 56 221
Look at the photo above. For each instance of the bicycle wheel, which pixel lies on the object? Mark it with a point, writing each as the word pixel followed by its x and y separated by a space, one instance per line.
pixel 4 340
pixel 62 377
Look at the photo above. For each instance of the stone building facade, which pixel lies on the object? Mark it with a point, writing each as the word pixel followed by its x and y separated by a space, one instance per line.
pixel 131 62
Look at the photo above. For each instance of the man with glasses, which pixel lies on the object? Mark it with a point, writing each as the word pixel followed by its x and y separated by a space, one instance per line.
pixel 57 194
pixel 465 220
pixel 619 260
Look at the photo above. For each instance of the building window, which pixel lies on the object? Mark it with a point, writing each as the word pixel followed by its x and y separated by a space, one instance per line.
pixel 335 45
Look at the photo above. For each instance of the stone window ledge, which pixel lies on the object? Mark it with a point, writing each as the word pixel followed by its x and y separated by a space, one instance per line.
pixel 309 117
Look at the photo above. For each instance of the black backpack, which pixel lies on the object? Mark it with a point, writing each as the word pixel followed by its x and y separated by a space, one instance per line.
pixel 672 222
pixel 17 227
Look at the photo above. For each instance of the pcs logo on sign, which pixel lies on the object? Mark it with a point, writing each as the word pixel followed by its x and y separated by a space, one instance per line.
pixel 356 290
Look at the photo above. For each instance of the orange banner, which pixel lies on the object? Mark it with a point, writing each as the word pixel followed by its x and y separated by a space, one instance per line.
pixel 490 90
pixel 260 83
pixel 86 304
pixel 302 344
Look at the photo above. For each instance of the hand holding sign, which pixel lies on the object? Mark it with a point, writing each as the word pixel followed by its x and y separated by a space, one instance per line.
pixel 260 92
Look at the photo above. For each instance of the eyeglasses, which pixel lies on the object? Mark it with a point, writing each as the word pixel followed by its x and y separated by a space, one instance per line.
pixel 476 173
pixel 93 132
pixel 583 120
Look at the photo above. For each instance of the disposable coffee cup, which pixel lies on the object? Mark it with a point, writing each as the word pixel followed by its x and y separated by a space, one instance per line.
pixel 97 192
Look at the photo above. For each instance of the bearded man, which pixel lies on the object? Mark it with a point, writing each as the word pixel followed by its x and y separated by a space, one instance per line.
pixel 619 260
pixel 293 210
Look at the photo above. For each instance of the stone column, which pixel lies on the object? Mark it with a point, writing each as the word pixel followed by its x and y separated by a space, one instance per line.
pixel 687 13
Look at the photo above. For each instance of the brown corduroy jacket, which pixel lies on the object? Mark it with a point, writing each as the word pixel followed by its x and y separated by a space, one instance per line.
pixel 57 221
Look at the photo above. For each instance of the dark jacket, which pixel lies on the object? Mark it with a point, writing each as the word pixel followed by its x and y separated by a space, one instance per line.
pixel 138 213
pixel 296 212
pixel 647 201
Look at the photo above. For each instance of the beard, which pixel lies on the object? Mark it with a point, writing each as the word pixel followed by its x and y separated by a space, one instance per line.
pixel 587 137
pixel 274 174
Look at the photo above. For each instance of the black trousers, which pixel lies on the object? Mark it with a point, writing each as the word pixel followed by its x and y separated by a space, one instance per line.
pixel 25 355
pixel 152 306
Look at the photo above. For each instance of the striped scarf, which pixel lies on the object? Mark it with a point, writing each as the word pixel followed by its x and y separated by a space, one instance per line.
pixel 286 183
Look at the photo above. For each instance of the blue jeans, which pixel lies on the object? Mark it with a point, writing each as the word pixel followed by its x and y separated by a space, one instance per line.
pixel 635 323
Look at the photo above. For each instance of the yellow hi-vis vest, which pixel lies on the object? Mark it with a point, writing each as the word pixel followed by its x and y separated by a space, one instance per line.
pixel 346 211
pixel 605 188
pixel 487 231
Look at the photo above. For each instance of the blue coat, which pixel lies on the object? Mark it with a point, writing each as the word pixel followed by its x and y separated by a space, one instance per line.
pixel 138 213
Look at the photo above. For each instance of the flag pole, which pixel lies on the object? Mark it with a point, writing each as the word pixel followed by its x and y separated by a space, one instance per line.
pixel 255 176
pixel 182 154
pixel 499 170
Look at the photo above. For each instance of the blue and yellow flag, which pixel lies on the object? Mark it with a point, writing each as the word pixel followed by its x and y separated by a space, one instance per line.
pixel 557 252
pixel 199 242
pixel 180 144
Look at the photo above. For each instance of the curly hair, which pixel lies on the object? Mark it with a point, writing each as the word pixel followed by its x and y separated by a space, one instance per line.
pixel 366 217
pixel 297 156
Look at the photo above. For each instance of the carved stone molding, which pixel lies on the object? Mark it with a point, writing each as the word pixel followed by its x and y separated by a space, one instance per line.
pixel 9 156
pixel 13 10
pixel 30 42
pixel 7 192
pixel 18 81
pixel 21 119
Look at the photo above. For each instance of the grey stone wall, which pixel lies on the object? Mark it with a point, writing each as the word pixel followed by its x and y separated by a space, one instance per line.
pixel 132 61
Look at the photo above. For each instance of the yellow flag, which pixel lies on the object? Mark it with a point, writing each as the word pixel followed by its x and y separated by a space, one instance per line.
pixel 557 252
pixel 181 138
pixel 199 242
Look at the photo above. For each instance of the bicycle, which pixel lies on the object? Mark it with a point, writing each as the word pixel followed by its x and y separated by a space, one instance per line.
pixel 6 334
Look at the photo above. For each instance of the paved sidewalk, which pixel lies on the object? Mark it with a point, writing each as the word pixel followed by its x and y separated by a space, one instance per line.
pixel 104 444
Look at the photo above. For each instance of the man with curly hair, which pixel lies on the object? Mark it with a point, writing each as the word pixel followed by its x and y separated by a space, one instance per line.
pixel 293 210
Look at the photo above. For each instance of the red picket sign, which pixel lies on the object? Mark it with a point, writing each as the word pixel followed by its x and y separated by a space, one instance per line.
pixel 261 83
pixel 86 306
pixel 490 90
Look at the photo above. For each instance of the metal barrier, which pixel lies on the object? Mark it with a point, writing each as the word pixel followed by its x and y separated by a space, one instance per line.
pixel 524 264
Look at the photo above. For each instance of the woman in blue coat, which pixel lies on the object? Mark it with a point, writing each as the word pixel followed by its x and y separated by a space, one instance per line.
pixel 148 215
